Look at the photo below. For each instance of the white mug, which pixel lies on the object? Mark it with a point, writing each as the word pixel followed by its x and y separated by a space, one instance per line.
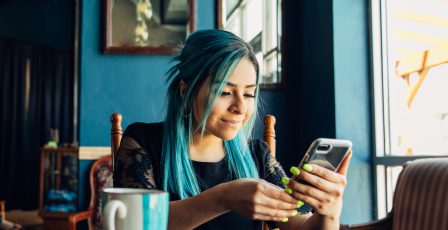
pixel 135 209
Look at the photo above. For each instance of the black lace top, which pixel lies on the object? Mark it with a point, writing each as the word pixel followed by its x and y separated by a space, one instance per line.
pixel 137 165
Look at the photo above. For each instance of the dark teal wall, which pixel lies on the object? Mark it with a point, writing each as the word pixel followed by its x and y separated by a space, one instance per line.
pixel 43 23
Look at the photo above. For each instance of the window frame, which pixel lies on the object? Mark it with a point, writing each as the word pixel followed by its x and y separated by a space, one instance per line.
pixel 221 16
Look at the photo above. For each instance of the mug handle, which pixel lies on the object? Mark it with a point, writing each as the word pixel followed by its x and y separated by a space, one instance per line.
pixel 113 207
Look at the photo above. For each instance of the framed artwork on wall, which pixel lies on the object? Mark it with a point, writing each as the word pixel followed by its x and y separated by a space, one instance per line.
pixel 147 26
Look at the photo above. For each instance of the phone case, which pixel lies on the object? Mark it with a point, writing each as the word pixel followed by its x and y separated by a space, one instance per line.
pixel 327 153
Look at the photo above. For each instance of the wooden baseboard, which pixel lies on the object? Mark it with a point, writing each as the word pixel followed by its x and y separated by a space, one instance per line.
pixel 93 152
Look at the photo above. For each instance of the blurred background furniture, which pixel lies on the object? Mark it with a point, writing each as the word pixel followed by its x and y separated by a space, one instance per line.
pixel 58 190
pixel 2 210
pixel 420 198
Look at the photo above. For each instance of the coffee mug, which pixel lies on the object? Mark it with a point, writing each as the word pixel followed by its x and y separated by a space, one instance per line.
pixel 131 208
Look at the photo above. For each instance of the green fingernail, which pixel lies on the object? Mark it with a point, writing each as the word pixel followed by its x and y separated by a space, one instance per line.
pixel 294 213
pixel 308 167
pixel 300 204
pixel 285 180
pixel 288 190
pixel 285 219
pixel 294 170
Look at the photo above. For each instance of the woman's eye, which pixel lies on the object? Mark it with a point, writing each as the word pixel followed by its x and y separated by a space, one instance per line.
pixel 250 95
pixel 224 93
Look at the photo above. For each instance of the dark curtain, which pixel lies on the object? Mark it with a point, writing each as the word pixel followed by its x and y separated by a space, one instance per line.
pixel 25 129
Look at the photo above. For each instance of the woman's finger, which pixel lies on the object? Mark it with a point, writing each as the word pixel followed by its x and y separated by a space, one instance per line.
pixel 313 202
pixel 327 175
pixel 308 190
pixel 262 209
pixel 278 194
pixel 275 204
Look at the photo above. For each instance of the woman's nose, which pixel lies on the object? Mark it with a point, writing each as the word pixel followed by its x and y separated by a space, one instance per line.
pixel 238 105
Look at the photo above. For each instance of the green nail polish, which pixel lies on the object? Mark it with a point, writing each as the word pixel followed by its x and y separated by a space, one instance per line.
pixel 284 220
pixel 308 167
pixel 285 180
pixel 294 212
pixel 294 170
pixel 288 190
pixel 300 204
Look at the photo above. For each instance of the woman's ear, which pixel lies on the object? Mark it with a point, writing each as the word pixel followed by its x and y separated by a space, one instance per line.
pixel 182 88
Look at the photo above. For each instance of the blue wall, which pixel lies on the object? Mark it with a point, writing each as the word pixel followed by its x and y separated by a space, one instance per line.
pixel 133 85
pixel 325 95
pixel 352 100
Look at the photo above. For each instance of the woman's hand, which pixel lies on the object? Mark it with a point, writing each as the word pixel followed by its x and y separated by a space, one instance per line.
pixel 326 189
pixel 258 199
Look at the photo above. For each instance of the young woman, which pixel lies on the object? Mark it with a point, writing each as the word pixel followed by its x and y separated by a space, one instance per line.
pixel 203 156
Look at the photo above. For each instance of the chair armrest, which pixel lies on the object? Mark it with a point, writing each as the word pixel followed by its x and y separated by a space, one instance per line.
pixel 73 219
pixel 385 223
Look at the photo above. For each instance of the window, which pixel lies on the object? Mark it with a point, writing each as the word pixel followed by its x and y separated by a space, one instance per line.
pixel 410 76
pixel 258 22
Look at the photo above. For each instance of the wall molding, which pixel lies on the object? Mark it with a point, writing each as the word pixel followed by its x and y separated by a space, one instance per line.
pixel 93 152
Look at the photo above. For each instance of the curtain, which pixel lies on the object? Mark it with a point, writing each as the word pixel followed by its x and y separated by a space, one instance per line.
pixel 33 100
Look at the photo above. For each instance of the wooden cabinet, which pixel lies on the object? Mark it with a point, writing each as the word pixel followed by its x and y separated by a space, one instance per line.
pixel 58 192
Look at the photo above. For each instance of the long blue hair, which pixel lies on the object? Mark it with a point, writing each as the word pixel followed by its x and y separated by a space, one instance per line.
pixel 206 54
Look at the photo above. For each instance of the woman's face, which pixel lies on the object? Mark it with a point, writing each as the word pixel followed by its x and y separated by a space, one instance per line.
pixel 233 107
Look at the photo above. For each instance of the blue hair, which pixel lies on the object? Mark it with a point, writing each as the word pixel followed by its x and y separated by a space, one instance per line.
pixel 207 54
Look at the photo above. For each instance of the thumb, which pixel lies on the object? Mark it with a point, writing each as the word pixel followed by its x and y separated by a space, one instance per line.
pixel 344 165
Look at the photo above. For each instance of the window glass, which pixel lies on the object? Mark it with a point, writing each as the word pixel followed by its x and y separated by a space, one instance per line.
pixel 258 22
pixel 410 75
pixel 234 23
pixel 418 107
pixel 254 22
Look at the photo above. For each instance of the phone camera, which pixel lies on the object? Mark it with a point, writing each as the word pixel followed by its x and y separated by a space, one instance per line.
pixel 323 147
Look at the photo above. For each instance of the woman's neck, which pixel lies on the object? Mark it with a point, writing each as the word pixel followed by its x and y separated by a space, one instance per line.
pixel 208 148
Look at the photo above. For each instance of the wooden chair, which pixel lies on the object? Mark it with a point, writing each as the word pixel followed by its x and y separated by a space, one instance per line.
pixel 269 133
pixel 100 177
pixel 420 198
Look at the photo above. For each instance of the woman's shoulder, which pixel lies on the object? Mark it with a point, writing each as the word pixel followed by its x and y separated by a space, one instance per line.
pixel 145 134
pixel 258 145
pixel 145 129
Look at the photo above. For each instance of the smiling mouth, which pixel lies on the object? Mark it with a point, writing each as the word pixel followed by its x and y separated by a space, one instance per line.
pixel 232 123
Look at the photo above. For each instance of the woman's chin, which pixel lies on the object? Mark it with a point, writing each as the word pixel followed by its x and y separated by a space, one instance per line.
pixel 227 136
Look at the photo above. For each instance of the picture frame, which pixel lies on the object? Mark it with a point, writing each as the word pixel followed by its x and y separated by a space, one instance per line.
pixel 147 26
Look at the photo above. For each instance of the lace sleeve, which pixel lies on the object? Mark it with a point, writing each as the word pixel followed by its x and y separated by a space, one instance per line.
pixel 273 170
pixel 133 166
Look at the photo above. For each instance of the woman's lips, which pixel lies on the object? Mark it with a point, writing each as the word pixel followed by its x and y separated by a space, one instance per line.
pixel 232 123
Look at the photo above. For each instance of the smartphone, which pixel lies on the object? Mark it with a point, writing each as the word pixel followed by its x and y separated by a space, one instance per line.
pixel 327 153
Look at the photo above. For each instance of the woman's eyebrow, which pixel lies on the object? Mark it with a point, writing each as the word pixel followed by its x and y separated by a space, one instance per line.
pixel 235 85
